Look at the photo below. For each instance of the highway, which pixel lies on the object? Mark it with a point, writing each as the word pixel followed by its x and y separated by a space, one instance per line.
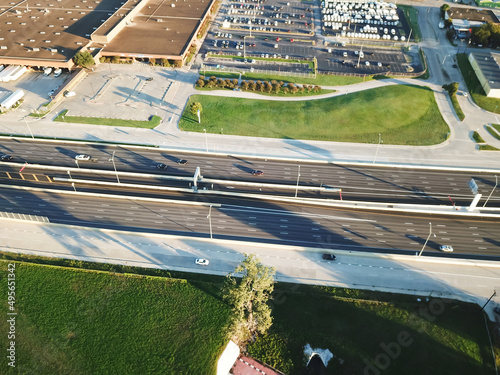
pixel 366 183
pixel 290 224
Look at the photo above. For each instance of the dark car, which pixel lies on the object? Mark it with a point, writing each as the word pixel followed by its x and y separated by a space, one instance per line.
pixel 149 79
pixel 257 173
pixel 5 157
pixel 329 257
pixel 161 166
pixel 181 161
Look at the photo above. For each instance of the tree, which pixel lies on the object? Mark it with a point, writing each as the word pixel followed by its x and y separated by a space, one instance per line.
pixel 452 88
pixel 248 298
pixel 195 107
pixel 83 59
pixel 443 9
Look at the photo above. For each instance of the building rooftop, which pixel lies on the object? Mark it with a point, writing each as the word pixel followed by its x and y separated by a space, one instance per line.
pixel 489 63
pixel 43 32
pixel 472 14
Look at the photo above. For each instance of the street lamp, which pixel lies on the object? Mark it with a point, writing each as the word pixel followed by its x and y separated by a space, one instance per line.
pixel 209 217
pixel 494 187
pixel 114 166
pixel 297 188
pixel 429 236
pixel 376 152
pixel 73 184
pixel 26 122
pixel 444 59
pixel 206 139
pixel 69 173
pixel 78 165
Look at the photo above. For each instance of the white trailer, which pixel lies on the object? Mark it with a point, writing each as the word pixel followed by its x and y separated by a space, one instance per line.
pixel 18 73
pixel 5 74
pixel 12 99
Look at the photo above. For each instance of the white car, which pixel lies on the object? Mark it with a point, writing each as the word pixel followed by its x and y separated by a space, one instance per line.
pixel 82 157
pixel 446 248
pixel 202 262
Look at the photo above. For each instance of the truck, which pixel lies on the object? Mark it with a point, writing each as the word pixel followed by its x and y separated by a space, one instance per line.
pixel 47 71
pixel 7 72
pixel 12 99
pixel 57 72
pixel 18 73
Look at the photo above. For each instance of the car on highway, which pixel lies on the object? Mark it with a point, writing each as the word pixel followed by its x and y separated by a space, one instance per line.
pixel 161 166
pixel 329 257
pixel 5 157
pixel 256 172
pixel 446 248
pixel 82 157
pixel 202 262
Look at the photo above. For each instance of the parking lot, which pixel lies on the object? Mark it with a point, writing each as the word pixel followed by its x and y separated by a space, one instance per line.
pixel 254 33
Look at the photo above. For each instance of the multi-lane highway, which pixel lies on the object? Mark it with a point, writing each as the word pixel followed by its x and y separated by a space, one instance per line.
pixel 242 219
pixel 367 183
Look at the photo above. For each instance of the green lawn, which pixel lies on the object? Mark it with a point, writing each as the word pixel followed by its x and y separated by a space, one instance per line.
pixel 443 337
pixel 493 132
pixel 403 115
pixel 77 321
pixel 87 322
pixel 152 123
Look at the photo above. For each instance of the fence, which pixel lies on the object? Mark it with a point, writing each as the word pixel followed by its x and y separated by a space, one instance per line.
pixel 16 216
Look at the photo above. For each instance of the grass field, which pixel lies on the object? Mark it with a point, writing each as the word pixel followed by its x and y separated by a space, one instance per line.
pixel 152 123
pixel 444 337
pixel 86 322
pixel 357 117
pixel 74 321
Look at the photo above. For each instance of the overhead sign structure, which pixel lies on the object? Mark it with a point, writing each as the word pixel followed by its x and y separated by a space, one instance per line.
pixel 473 186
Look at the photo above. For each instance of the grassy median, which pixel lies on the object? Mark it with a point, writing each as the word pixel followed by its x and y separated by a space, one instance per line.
pixel 403 115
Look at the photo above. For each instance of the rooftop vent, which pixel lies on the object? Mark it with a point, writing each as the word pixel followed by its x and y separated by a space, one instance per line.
pixel 53 50
pixel 47 41
pixel 35 49
pixel 3 47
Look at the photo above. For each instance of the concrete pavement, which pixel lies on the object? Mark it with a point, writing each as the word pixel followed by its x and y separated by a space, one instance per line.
pixel 467 280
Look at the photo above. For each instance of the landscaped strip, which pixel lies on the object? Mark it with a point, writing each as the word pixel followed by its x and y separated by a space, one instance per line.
pixel 152 123
pixel 358 117
pixel 320 80
pixel 494 133
pixel 457 108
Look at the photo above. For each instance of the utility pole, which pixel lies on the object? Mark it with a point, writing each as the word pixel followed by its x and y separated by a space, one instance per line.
pixel 114 165
pixel 209 217
pixel 298 178
pixel 494 187
pixel 429 236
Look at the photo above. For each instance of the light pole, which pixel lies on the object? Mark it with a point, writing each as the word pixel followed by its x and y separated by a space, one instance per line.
pixel 444 59
pixel 494 187
pixel 376 152
pixel 297 187
pixel 69 173
pixel 429 236
pixel 26 122
pixel 244 47
pixel 209 217
pixel 78 165
pixel 206 139
pixel 114 166
pixel 73 184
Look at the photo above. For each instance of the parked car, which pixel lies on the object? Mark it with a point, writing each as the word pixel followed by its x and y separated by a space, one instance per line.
pixel 446 248
pixel 329 257
pixel 5 157
pixel 256 172
pixel 82 157
pixel 161 166
pixel 202 262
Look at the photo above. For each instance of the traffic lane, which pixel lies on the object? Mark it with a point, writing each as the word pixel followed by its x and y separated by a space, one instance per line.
pixel 276 223
pixel 449 187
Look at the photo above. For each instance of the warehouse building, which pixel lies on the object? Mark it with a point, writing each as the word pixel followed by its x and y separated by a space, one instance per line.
pixel 48 33
pixel 487 69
